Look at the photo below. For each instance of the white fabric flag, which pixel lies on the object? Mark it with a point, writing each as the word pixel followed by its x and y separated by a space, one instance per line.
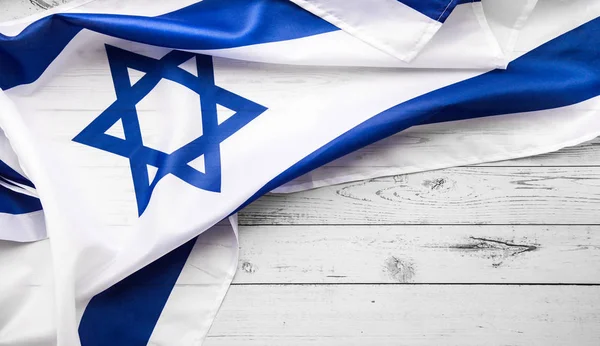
pixel 138 126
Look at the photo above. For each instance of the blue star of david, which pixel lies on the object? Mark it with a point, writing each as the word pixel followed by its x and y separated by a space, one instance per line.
pixel 177 162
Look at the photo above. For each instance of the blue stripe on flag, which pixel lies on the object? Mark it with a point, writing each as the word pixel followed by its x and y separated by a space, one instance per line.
pixel 16 203
pixel 559 73
pixel 7 172
pixel 210 24
pixel 126 313
pixel 569 64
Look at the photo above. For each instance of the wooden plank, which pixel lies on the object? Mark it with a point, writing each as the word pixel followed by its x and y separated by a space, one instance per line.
pixel 468 195
pixel 419 254
pixel 381 315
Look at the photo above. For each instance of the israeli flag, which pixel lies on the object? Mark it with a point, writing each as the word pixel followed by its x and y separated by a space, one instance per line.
pixel 132 133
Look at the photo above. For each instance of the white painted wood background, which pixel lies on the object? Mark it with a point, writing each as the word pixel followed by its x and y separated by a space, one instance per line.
pixel 497 254
pixel 506 253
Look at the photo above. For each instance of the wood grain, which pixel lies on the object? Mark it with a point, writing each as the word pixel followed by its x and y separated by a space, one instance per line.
pixel 382 315
pixel 419 254
pixel 469 195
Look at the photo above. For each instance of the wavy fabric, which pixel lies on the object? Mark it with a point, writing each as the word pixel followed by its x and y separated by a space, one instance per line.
pixel 210 24
pixel 221 25
pixel 379 27
pixel 561 72
pixel 21 216
pixel 8 173
pixel 435 9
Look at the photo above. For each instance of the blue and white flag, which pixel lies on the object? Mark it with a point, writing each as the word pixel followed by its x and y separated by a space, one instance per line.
pixel 132 132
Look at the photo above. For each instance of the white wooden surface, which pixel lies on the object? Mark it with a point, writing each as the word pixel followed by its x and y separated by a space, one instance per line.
pixel 408 315
pixel 467 195
pixel 505 253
